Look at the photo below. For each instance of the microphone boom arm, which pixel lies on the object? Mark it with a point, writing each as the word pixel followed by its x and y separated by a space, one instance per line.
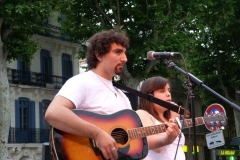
pixel 200 83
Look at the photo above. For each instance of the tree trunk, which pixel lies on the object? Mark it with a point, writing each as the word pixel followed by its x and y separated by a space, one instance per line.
pixel 237 116
pixel 235 112
pixel 130 81
pixel 4 103
pixel 237 121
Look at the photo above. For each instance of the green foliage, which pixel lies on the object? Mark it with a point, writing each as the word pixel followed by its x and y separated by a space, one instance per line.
pixel 149 25
pixel 21 47
pixel 206 32
pixel 216 56
pixel 23 19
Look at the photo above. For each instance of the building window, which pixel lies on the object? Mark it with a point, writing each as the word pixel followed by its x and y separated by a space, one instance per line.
pixel 43 107
pixel 46 66
pixel 44 125
pixel 25 120
pixel 23 72
pixel 67 69
pixel 24 114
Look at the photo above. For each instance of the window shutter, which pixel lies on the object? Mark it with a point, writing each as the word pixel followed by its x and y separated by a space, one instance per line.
pixel 32 114
pixel 17 114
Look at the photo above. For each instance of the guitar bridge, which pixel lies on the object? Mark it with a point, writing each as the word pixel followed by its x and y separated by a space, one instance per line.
pixel 95 147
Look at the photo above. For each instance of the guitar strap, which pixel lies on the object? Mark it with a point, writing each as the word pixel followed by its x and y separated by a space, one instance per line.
pixel 150 98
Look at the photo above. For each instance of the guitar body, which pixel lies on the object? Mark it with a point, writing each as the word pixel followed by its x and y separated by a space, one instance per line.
pixel 67 146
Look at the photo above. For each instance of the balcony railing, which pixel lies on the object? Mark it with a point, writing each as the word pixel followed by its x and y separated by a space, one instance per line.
pixel 35 79
pixel 30 135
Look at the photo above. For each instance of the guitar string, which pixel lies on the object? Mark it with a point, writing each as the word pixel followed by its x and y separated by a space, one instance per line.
pixel 121 134
pixel 147 131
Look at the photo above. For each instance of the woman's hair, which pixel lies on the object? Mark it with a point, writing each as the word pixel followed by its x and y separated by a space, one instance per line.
pixel 148 87
pixel 100 44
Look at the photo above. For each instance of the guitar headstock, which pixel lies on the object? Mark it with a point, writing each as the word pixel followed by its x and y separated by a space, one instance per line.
pixel 216 119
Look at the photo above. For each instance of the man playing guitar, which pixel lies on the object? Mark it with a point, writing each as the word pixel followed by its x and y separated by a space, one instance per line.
pixel 93 91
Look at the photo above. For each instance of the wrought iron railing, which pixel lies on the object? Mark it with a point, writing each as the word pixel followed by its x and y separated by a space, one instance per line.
pixel 30 135
pixel 35 79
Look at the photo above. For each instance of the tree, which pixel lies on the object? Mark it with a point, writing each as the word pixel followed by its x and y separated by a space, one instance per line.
pixel 216 56
pixel 19 20
pixel 150 25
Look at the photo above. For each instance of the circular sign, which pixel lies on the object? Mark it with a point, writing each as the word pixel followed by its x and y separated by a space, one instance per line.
pixel 214 115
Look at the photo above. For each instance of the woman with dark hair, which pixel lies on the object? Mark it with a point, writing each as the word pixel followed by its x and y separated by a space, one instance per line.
pixel 154 114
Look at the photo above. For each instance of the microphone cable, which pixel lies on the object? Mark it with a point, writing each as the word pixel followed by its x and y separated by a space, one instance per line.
pixel 189 85
pixel 180 136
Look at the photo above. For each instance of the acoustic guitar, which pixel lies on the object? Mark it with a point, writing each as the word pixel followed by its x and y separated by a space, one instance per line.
pixel 125 127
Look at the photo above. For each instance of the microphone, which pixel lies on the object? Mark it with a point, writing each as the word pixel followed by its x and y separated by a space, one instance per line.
pixel 151 55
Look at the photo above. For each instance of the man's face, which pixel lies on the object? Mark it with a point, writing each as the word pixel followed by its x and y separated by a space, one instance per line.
pixel 113 62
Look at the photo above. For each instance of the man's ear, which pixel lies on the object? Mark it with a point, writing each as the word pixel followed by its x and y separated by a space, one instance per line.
pixel 98 56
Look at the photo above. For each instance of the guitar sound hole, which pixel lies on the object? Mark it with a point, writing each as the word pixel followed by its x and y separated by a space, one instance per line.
pixel 120 136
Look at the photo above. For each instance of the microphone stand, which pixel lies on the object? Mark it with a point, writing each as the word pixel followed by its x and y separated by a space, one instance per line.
pixel 195 81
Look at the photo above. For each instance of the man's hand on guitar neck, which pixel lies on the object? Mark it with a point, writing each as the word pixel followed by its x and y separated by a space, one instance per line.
pixel 107 145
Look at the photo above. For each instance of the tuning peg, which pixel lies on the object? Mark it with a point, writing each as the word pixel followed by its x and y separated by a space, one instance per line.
pixel 218 123
pixel 212 124
pixel 224 123
pixel 209 115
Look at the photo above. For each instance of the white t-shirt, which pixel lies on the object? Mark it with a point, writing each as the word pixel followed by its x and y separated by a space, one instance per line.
pixel 168 152
pixel 89 91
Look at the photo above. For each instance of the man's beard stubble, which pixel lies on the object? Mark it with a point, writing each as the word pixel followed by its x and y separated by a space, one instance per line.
pixel 117 70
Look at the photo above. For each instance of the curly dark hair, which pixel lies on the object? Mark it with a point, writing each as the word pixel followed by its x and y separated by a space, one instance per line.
pixel 101 42
pixel 148 87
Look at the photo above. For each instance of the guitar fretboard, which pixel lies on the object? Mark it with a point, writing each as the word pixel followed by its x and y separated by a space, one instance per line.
pixel 150 130
pixel 187 123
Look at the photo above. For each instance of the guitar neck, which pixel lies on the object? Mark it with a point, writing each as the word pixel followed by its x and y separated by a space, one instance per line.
pixel 187 123
pixel 141 132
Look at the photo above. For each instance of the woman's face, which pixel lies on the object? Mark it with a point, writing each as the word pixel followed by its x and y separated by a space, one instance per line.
pixel 163 94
